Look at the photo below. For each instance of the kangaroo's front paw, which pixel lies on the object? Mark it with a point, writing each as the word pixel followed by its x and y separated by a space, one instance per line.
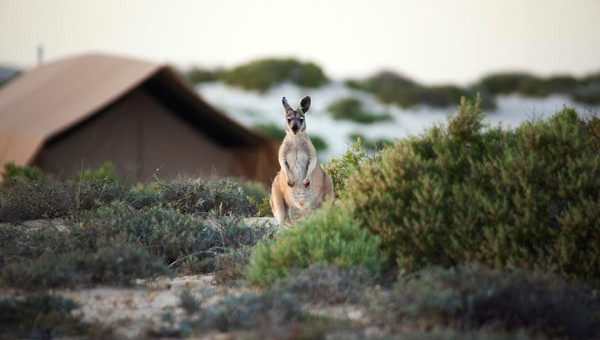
pixel 291 183
pixel 306 183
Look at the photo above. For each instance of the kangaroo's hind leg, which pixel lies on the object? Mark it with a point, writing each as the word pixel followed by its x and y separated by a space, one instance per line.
pixel 278 205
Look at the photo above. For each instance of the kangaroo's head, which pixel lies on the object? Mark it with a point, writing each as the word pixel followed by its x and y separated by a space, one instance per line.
pixel 295 118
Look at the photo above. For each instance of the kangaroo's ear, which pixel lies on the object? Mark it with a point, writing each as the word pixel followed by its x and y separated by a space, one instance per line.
pixel 305 104
pixel 286 105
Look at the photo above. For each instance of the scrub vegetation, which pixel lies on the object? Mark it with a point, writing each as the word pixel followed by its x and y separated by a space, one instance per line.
pixel 466 230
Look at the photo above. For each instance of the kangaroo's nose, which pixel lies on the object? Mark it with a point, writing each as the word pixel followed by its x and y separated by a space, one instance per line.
pixel 295 128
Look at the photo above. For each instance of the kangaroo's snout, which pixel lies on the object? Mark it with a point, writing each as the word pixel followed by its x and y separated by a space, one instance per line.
pixel 295 128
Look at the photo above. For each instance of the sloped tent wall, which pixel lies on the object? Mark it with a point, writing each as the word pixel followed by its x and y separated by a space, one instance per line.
pixel 142 138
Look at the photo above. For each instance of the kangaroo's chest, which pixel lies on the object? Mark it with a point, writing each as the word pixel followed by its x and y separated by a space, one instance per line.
pixel 298 163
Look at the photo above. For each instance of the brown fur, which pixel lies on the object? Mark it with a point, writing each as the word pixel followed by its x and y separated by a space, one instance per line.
pixel 301 185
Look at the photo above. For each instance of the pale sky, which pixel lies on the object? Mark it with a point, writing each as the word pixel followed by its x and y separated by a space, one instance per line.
pixel 455 41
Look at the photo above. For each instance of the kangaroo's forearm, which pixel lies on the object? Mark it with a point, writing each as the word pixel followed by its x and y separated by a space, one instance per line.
pixel 285 167
pixel 312 164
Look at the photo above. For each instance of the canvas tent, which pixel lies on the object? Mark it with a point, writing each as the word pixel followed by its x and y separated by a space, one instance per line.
pixel 82 111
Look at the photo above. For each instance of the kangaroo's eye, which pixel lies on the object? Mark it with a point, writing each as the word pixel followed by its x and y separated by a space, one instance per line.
pixel 301 120
pixel 289 120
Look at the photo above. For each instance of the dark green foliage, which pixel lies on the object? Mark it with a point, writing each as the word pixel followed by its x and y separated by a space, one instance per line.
pixel 472 298
pixel 184 224
pixel 183 241
pixel 116 263
pixel 262 74
pixel 506 83
pixel 392 88
pixel 585 90
pixel 42 316
pixel 526 198
pixel 352 109
pixel 201 75
pixel 388 85
pixel 328 237
pixel 371 144
pixel 106 173
pixel 319 143
pixel 13 172
pixel 270 130
pixel 347 164
pixel 264 207
pixel 588 91
pixel 200 197
pixel 22 200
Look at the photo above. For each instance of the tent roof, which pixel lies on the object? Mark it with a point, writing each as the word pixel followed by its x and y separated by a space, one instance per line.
pixel 54 98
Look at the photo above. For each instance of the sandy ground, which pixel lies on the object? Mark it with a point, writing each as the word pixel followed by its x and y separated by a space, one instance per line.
pixel 146 306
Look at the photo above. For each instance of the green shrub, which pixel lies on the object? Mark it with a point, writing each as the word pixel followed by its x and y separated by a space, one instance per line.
pixel 371 144
pixel 262 74
pixel 200 75
pixel 183 241
pixel 270 130
pixel 265 312
pixel 588 91
pixel 472 298
pixel 341 168
pixel 392 88
pixel 201 197
pixel 461 193
pixel 352 109
pixel 328 237
pixel 14 172
pixel 43 316
pixel 264 207
pixel 506 83
pixel 106 173
pixel 22 200
pixel 319 143
pixel 326 285
pixel 388 85
pixel 116 263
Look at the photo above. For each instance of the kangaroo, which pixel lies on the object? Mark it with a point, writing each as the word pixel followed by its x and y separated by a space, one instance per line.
pixel 301 185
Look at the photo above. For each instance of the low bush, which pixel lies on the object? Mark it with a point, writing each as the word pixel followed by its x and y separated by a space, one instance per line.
pixel 326 285
pixel 473 298
pixel 392 88
pixel 249 312
pixel 200 197
pixel 506 83
pixel 352 109
pixel 14 172
pixel 347 164
pixel 270 130
pixel 44 316
pixel 181 240
pixel 371 144
pixel 461 193
pixel 198 75
pixel 328 237
pixel 272 314
pixel 116 263
pixel 105 173
pixel 262 74
pixel 22 200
